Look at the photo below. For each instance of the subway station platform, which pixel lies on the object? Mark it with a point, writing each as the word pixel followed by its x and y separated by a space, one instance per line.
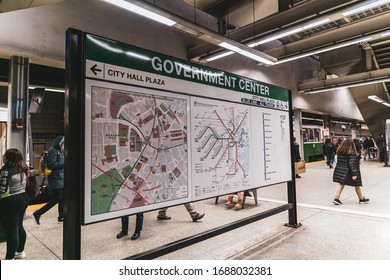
pixel 350 231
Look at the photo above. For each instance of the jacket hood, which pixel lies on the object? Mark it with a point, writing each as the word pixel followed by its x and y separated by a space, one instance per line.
pixel 58 142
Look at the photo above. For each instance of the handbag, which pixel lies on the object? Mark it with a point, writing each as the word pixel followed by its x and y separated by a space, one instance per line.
pixel 32 186
pixel 300 167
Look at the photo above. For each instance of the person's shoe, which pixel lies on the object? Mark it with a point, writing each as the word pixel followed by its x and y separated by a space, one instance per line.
pixel 238 205
pixel 60 219
pixel 297 176
pixel 229 203
pixel 121 234
pixel 165 217
pixel 364 200
pixel 197 217
pixel 20 255
pixel 135 235
pixel 337 201
pixel 36 217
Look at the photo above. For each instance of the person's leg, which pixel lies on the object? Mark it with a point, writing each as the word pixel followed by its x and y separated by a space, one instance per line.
pixel 60 194
pixel 193 213
pixel 162 214
pixel 139 221
pixel 229 202
pixel 124 228
pixel 138 226
pixel 338 193
pixel 21 231
pixel 10 209
pixel 57 196
pixel 125 224
pixel 359 193
pixel 238 205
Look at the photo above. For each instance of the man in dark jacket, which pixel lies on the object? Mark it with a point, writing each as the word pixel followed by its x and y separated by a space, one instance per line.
pixel 380 142
pixel 55 162
pixel 297 155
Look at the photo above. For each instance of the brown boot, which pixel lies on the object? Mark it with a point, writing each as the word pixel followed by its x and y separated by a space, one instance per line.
pixel 229 203
pixel 238 205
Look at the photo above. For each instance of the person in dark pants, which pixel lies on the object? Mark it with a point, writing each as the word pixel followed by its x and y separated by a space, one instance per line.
pixel 13 202
pixel 297 155
pixel 55 162
pixel 380 142
pixel 125 226
pixel 347 171
pixel 329 152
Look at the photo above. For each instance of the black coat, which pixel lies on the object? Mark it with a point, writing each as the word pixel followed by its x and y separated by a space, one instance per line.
pixel 346 167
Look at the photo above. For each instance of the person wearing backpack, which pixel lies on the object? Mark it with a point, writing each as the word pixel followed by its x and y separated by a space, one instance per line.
pixel 55 161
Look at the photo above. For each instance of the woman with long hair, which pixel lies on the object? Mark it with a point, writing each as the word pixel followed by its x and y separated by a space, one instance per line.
pixel 13 202
pixel 347 171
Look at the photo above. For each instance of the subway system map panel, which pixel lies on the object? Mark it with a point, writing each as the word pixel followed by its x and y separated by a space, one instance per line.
pixel 221 149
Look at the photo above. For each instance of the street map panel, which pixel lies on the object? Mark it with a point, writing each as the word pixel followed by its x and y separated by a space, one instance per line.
pixel 139 149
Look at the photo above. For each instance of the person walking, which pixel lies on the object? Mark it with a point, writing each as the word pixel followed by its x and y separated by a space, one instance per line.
pixel 297 155
pixel 55 162
pixel 329 152
pixel 347 171
pixel 13 202
pixel 139 221
pixel 195 215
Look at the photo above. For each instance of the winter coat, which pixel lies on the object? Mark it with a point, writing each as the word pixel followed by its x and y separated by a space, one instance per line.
pixel 380 142
pixel 346 167
pixel 55 161
pixel 297 156
pixel 328 148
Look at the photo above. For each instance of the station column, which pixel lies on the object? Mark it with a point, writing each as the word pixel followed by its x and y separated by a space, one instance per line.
pixel 17 103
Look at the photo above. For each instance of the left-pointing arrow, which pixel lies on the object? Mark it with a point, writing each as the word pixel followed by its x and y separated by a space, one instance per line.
pixel 94 69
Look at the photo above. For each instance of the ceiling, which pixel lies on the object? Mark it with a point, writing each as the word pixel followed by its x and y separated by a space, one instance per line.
pixel 243 21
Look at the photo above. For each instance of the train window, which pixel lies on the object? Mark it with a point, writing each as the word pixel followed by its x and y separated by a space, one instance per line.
pixel 311 134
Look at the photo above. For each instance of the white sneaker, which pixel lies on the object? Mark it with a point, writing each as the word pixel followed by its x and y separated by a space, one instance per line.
pixel 19 256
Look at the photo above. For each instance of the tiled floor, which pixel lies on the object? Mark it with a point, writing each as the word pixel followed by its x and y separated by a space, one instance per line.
pixel 350 231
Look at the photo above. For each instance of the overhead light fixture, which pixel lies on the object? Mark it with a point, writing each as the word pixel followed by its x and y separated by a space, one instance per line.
pixel 152 12
pixel 341 86
pixel 334 47
pixel 364 7
pixel 141 11
pixel 264 40
pixel 379 100
pixel 219 55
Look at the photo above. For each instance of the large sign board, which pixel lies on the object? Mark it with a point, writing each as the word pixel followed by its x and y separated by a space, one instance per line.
pixel 161 131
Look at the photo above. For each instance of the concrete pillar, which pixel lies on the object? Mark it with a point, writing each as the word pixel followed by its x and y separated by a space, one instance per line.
pixel 17 104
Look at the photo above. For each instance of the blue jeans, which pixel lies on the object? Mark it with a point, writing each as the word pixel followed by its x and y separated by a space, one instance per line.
pixel 330 159
pixel 139 221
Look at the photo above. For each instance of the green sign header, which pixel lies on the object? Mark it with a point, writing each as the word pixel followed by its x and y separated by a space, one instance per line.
pixel 124 55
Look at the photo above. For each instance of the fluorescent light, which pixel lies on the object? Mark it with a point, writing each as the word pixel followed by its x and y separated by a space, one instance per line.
pixel 230 47
pixel 316 23
pixel 141 11
pixel 275 37
pixel 379 100
pixel 311 91
pixel 365 7
pixel 385 34
pixel 219 55
pixel 245 53
pixel 376 98
pixel 326 49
